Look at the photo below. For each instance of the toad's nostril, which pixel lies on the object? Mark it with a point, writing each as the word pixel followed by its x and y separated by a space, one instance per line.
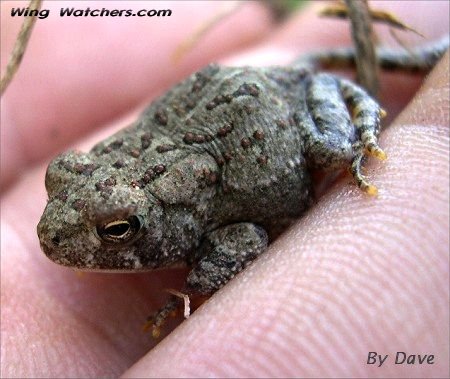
pixel 56 240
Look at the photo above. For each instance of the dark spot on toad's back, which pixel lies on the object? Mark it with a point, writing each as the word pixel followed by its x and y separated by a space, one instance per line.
pixel 189 103
pixel 224 130
pixel 117 144
pixel 146 140
pixel 262 159
pixel 165 148
pixel 202 78
pixel 107 150
pixel 149 175
pixel 259 135
pixel 189 138
pixel 211 105
pixel 62 196
pixel 78 204
pixel 159 169
pixel 84 169
pixel 135 153
pixel 246 143
pixel 119 164
pixel 105 184
pixel 161 117
pixel 178 109
pixel 200 82
pixel 111 181
pixel 227 156
pixel 199 138
pixel 249 89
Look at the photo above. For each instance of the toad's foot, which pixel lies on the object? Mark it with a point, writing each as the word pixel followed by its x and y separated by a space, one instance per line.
pixel 333 138
pixel 157 320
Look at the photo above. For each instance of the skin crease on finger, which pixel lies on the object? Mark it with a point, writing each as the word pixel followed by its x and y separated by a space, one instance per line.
pixel 347 279
pixel 99 316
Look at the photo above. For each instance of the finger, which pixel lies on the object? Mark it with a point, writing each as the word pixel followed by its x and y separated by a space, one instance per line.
pixel 356 275
pixel 80 72
pixel 109 327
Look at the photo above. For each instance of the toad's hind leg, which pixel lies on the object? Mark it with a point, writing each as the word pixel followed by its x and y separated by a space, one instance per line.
pixel 366 119
pixel 331 139
pixel 418 59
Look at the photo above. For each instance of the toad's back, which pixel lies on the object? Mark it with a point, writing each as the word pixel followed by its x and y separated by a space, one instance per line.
pixel 244 118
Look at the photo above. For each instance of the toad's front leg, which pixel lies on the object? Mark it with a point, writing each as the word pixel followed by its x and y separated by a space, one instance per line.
pixel 222 254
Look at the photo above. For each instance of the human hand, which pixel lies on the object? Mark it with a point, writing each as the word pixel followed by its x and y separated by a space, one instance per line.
pixel 355 275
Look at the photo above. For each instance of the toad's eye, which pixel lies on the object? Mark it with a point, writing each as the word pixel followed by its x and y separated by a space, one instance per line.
pixel 119 231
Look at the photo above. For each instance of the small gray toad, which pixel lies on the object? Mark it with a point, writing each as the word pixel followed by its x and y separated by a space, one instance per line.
pixel 211 172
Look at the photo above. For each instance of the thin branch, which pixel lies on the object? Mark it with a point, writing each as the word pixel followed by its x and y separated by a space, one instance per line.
pixel 340 10
pixel 363 38
pixel 280 9
pixel 189 43
pixel 185 298
pixel 19 46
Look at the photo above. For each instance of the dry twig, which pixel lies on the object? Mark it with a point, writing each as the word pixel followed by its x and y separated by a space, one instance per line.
pixel 185 298
pixel 188 44
pixel 19 46
pixel 363 38
pixel 340 10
